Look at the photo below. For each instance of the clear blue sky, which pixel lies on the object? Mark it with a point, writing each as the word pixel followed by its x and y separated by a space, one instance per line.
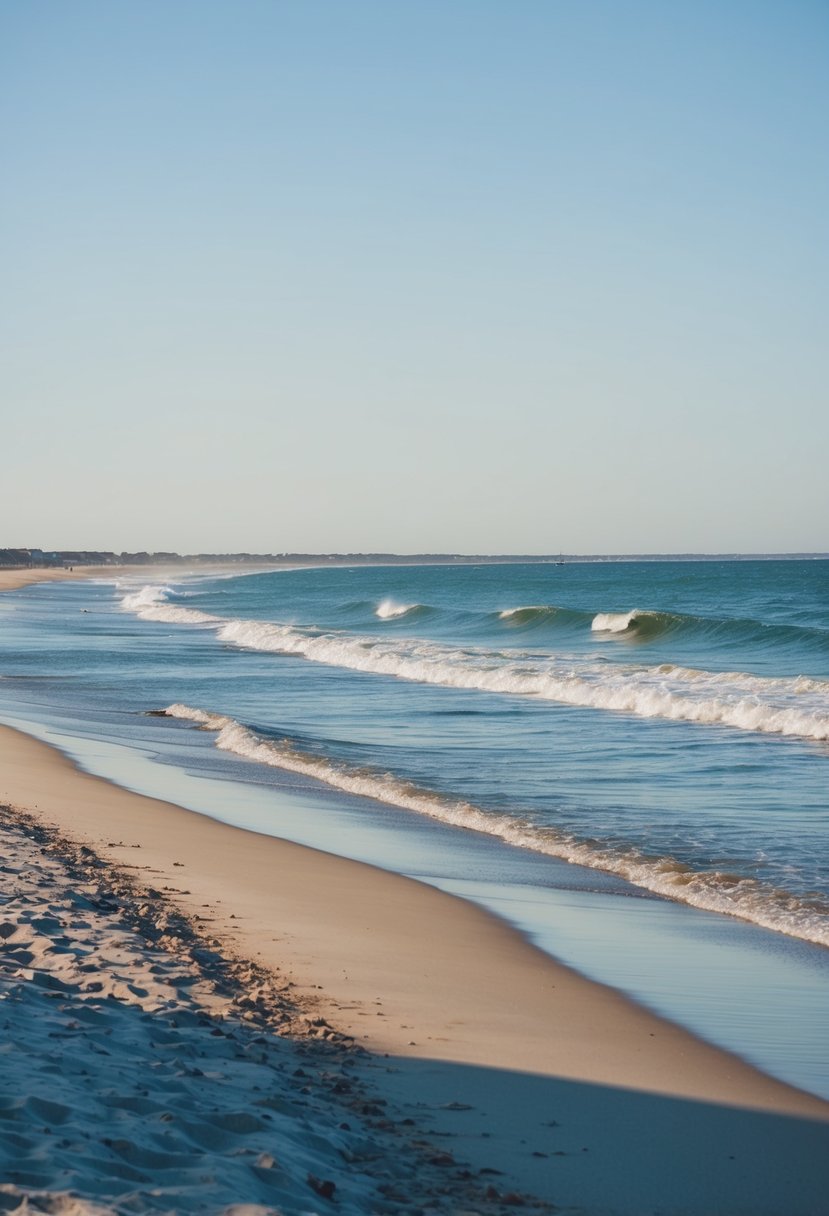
pixel 415 275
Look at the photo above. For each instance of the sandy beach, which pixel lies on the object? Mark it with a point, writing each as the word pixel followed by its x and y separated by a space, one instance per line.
pixel 12 580
pixel 473 1042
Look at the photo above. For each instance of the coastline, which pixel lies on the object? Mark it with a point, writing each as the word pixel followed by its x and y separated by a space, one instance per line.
pixel 461 1015
pixel 13 580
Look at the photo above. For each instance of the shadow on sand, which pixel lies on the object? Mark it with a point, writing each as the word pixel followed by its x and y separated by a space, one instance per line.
pixel 615 1150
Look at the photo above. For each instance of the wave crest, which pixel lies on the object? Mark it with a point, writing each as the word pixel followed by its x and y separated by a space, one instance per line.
pixel 638 622
pixel 390 610
pixel 530 615
pixel 770 705
pixel 716 891
pixel 153 603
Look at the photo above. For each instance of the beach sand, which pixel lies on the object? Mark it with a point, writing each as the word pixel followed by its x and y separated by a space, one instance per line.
pixel 12 580
pixel 480 1051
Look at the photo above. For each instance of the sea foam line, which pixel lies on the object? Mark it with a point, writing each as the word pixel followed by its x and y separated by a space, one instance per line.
pixel 790 706
pixel 714 891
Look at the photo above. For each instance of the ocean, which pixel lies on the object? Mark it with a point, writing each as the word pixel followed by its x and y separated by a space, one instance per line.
pixel 627 760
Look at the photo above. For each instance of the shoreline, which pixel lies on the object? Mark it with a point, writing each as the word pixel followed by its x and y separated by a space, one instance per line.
pixel 14 580
pixel 460 1012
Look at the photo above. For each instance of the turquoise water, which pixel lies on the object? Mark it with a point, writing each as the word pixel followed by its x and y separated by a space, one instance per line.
pixel 621 743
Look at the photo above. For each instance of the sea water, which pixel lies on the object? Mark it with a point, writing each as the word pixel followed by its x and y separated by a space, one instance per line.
pixel 628 760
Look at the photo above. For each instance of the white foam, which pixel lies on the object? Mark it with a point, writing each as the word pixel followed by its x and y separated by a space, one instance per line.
pixel 152 603
pixel 613 622
pixel 147 596
pixel 776 706
pixel 389 609
pixel 797 707
pixel 715 891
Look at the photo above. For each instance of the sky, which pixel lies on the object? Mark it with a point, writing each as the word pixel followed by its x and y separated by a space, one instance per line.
pixel 526 276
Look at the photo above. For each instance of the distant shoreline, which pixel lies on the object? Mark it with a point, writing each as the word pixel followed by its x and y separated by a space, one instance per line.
pixel 63 561
pixel 14 577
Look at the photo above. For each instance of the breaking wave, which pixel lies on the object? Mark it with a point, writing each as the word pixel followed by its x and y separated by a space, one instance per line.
pixel 714 890
pixel 538 614
pixel 643 624
pixel 793 706
pixel 390 610
pixel 159 604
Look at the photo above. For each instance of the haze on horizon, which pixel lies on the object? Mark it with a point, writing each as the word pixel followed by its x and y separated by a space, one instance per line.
pixel 447 276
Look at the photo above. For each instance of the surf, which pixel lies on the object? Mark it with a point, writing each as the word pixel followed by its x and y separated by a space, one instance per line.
pixel 390 610
pixel 713 890
pixel 789 706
